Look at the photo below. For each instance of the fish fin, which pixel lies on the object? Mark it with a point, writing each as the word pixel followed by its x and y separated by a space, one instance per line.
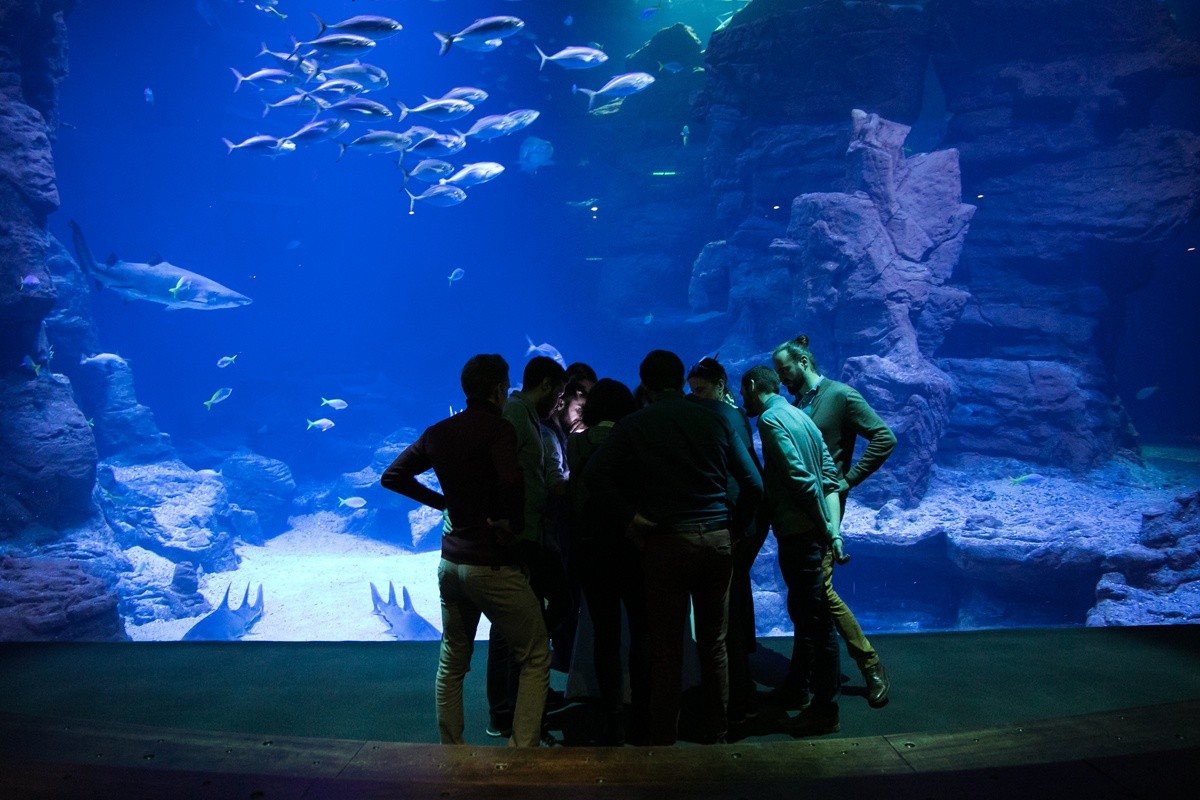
pixel 264 51
pixel 207 404
pixel 229 144
pixel 446 39
pixel 82 252
pixel 112 259
pixel 412 201
pixel 321 23
pixel 591 96
pixel 155 258
pixel 391 594
pixel 258 601
pixel 266 108
pixel 545 57
pixel 342 151
pixel 240 77
pixel 376 600
pixel 246 596
pixel 408 606
pixel 403 111
pixel 225 602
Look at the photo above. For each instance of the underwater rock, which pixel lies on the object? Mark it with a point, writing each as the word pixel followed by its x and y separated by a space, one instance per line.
pixel 51 599
pixel 47 454
pixel 262 485
pixel 156 588
pixel 123 426
pixel 170 510
pixel 1159 581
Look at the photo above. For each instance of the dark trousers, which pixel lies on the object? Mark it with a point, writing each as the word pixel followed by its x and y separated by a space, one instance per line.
pixel 611 574
pixel 681 566
pixel 816 660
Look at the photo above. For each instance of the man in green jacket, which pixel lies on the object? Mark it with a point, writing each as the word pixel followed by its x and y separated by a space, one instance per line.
pixel 804 508
pixel 842 415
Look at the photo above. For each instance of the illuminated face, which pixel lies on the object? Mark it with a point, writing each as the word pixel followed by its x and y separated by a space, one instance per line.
pixel 790 371
pixel 703 387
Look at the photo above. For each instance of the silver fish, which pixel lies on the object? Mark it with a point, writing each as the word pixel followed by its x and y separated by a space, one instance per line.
pixel 300 101
pixel 369 75
pixel 468 93
pixel 322 424
pixel 522 118
pixel 218 396
pixel 270 77
pixel 431 170
pixel 379 142
pixel 343 87
pixel 441 196
pixel 360 106
pixel 474 174
pixel 443 110
pixel 439 146
pixel 544 349
pixel 620 86
pixel 364 25
pixel 574 57
pixel 338 44
pixel 479 32
pixel 262 144
pixel 335 403
pixel 319 131
pixel 492 127
pixel 160 282
pixel 308 67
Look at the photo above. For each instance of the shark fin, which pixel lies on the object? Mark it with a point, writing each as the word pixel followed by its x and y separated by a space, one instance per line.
pixel 376 600
pixel 112 259
pixel 408 606
pixel 225 602
pixel 155 258
pixel 391 594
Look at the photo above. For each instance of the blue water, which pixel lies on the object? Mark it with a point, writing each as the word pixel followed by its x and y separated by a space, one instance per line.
pixel 351 297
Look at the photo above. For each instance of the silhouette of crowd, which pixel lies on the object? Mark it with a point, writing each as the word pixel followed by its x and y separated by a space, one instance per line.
pixel 581 517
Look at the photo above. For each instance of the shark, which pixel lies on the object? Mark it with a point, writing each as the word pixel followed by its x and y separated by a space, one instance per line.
pixel 403 621
pixel 157 281
pixel 226 624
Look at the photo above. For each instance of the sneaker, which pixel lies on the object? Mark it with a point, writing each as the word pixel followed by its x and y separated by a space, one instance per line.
pixel 498 732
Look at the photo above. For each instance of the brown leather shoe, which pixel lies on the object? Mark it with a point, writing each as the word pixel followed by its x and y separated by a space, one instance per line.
pixel 877 685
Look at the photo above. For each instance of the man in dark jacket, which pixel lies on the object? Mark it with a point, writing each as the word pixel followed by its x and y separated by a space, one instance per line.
pixel 663 474
pixel 474 454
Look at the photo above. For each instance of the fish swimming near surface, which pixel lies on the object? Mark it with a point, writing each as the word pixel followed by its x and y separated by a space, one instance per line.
pixel 544 349
pixel 226 624
pixel 535 153
pixel 403 621
pixel 574 57
pixel 335 403
pixel 338 44
pixel 480 32
pixel 620 86
pixel 157 282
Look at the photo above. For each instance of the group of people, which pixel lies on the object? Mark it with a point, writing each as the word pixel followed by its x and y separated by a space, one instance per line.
pixel 580 493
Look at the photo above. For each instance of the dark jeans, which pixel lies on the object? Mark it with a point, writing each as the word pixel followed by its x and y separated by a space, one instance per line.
pixel 611 574
pixel 816 660
pixel 678 567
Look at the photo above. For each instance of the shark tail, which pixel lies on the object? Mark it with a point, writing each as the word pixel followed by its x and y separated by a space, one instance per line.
pixel 545 57
pixel 446 39
pixel 321 23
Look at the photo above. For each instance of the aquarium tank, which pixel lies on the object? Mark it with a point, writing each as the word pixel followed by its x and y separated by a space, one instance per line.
pixel 247 246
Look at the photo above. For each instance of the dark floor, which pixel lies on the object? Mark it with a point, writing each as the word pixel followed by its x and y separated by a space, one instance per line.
pixel 1109 712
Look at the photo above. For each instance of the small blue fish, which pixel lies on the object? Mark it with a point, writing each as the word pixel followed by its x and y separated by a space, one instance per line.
pixel 30 282
pixel 1146 392
pixel 1031 478
pixel 218 396
pixel 29 363
pixel 227 361
pixel 148 93
pixel 457 275
pixel 674 67
pixel 649 12
pixel 684 134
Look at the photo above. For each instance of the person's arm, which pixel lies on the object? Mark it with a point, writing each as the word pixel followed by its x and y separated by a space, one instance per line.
pixel 401 476
pixel 511 484
pixel 831 484
pixel 750 484
pixel 863 420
